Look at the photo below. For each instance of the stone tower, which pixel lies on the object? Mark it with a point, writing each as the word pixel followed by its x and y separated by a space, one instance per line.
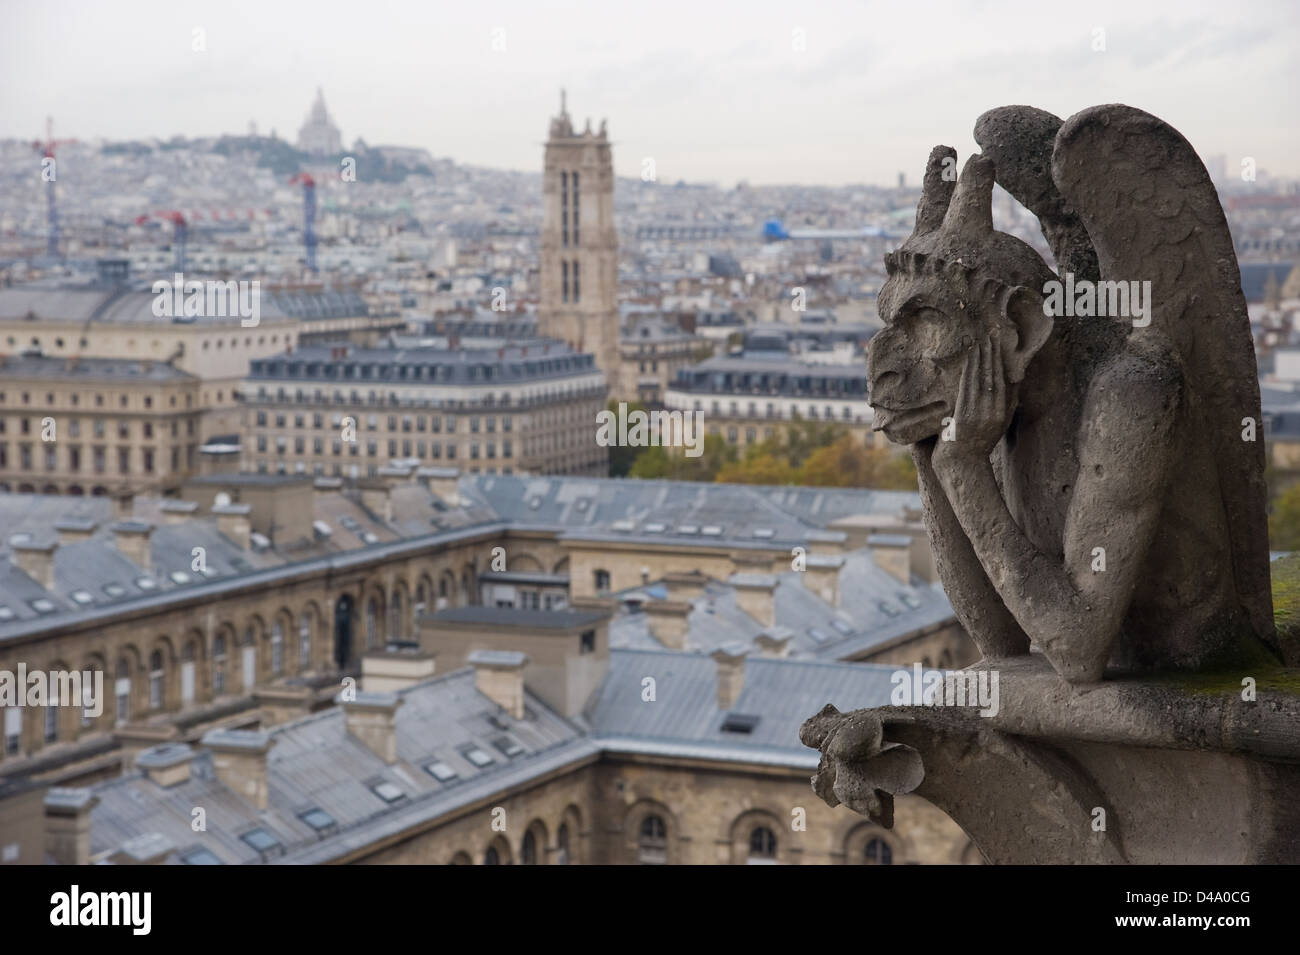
pixel 579 245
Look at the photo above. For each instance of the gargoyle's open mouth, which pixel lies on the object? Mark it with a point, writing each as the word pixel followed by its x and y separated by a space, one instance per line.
pixel 902 417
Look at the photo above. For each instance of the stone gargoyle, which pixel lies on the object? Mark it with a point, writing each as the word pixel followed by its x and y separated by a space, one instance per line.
pixel 1090 457
pixel 1088 443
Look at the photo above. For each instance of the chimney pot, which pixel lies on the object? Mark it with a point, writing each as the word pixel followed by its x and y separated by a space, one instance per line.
pixel 731 674
pixel 239 760
pixel 67 824
pixel 36 560
pixel 372 719
pixel 132 540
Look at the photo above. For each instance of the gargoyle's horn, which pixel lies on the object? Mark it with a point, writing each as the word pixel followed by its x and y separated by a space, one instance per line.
pixel 970 210
pixel 936 190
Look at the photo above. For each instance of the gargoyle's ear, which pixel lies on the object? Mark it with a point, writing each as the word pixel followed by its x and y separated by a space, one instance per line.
pixel 1024 311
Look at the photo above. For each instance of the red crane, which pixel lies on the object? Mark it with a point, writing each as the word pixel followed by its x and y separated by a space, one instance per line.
pixel 46 149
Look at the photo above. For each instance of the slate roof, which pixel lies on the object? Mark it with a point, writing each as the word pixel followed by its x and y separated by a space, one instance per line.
pixel 90 369
pixel 875 608
pixel 313 763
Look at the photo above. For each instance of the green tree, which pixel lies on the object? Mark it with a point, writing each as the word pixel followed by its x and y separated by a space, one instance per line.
pixel 1284 522
pixel 622 458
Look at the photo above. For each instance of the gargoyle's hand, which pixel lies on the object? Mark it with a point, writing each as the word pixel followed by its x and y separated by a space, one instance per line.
pixel 858 768
pixel 983 411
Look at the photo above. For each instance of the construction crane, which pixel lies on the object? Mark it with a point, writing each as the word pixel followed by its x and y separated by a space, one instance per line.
pixel 179 231
pixel 308 215
pixel 46 149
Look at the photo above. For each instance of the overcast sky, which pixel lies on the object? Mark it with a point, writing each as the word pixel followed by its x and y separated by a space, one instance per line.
pixel 711 90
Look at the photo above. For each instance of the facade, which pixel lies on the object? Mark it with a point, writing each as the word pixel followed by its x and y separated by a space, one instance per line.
pixel 652 351
pixel 748 400
pixel 579 244
pixel 318 135
pixel 96 426
pixel 349 412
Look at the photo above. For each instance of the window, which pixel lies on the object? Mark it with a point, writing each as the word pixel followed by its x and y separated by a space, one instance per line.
pixel 587 642
pixel 321 821
pixel 602 582
pixel 762 845
pixel 441 771
pixel 51 724
pixel 13 729
pixel 263 842
pixel 277 648
pixel 508 746
pixel 304 641
pixel 564 282
pixel 156 680
pixel 122 690
pixel 388 792
pixel 491 857
pixel 219 665
pixel 652 841
pixel 562 844
pixel 200 856
pixel 878 852
pixel 528 852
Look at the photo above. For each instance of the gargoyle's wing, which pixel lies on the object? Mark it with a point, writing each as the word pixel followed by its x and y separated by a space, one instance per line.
pixel 1020 141
pixel 1153 215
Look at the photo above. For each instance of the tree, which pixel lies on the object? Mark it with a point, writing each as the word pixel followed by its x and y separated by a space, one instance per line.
pixel 847 463
pixel 621 458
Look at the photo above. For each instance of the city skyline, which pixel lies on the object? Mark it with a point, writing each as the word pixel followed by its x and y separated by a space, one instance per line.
pixel 721 100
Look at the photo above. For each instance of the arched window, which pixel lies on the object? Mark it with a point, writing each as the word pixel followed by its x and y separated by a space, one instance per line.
pixel 562 844
pixel 156 680
pixel 372 624
pixel 395 616
pixel 122 690
pixel 219 665
pixel 877 852
pixel 528 853
pixel 491 857
pixel 51 724
pixel 762 844
pixel 248 651
pixel 652 841
pixel 304 640
pixel 277 648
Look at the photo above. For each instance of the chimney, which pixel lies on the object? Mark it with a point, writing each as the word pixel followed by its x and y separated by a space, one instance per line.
pixel 822 577
pixel 376 497
pixel 754 595
pixel 124 505
pixel 74 529
pixel 67 825
pixel 132 540
pixel 152 848
pixel 239 760
pixel 499 675
pixel 395 475
pixel 668 621
pixel 826 542
pixel 444 482
pixel 892 554
pixel 233 522
pixel 774 643
pixel 396 668
pixel 36 560
pixel 685 586
pixel 731 673
pixel 372 719
pixel 167 765
pixel 177 512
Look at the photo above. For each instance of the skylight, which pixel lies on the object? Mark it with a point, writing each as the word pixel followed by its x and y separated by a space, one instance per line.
pixel 41 605
pixel 887 608
pixel 318 819
pixel 83 596
pixel 912 600
pixel 739 723
pixel 841 626
pixel 115 590
pixel 655 528
pixel 179 576
pixel 262 840
pixel 478 757
pixel 388 792
pixel 508 746
pixel 818 635
pixel 146 583
pixel 711 530
pixel 6 613
pixel 441 771
pixel 200 857
pixel 764 532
